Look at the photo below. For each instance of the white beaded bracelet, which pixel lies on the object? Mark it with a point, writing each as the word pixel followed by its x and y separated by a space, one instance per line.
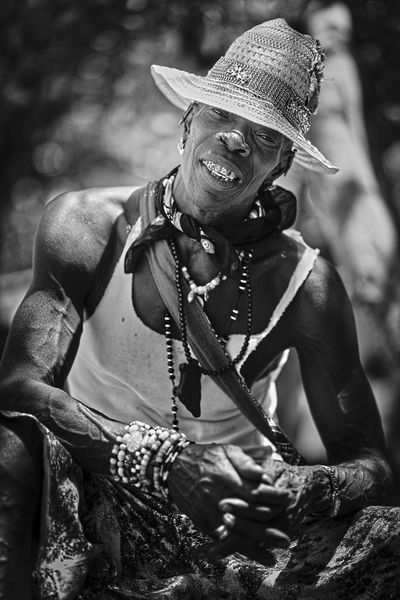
pixel 140 445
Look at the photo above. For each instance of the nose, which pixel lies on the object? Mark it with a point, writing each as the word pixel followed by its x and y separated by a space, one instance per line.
pixel 234 141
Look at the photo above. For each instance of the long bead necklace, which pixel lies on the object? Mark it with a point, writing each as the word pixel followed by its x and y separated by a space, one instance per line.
pixel 189 388
pixel 201 292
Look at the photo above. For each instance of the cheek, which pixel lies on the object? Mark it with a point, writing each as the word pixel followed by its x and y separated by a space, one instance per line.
pixel 187 161
pixel 260 173
pixel 265 166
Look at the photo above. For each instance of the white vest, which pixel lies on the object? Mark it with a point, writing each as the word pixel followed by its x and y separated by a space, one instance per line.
pixel 121 366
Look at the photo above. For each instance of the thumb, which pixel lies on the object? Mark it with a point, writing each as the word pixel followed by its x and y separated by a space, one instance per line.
pixel 244 464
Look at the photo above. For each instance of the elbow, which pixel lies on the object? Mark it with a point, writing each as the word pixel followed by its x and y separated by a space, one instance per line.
pixel 16 394
pixel 387 488
pixel 383 480
pixel 8 394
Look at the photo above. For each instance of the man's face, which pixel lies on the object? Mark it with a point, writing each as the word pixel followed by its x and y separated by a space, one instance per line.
pixel 221 174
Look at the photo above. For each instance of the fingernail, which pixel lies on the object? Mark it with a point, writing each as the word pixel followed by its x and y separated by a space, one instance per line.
pixel 229 519
pixel 266 479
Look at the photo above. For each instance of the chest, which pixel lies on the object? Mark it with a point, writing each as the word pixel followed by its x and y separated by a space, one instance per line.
pixel 233 307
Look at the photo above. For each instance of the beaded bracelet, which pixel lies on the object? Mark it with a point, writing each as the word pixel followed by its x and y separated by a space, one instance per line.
pixel 140 446
pixel 335 491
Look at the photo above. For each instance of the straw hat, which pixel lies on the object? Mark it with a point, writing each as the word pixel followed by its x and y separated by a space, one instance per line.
pixel 270 75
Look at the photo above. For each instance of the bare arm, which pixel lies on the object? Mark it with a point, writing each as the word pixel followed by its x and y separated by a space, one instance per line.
pixel 44 336
pixel 344 411
pixel 340 397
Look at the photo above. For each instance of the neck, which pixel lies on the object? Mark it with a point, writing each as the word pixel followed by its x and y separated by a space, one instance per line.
pixel 220 218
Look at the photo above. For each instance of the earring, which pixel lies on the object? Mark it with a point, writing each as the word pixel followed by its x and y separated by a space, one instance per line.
pixel 181 146
pixel 290 160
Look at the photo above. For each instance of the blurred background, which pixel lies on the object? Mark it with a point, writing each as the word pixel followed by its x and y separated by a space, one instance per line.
pixel 79 109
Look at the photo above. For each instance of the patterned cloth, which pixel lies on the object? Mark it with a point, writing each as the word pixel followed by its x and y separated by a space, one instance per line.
pixel 100 541
pixel 276 212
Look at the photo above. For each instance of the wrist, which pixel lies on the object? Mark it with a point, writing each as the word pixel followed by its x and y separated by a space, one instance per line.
pixel 327 501
pixel 334 490
pixel 143 457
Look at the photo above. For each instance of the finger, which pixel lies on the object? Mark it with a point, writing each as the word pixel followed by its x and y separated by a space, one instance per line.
pixel 204 509
pixel 255 530
pixel 260 454
pixel 244 464
pixel 244 509
pixel 268 494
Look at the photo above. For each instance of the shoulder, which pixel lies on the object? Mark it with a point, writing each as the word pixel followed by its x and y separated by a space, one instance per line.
pixel 94 210
pixel 75 235
pixel 324 288
pixel 284 255
pixel 76 226
pixel 283 261
pixel 322 309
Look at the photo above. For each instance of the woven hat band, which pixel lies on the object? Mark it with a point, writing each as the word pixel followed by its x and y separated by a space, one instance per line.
pixel 266 86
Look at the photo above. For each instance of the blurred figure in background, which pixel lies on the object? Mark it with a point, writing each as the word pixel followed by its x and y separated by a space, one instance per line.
pixel 345 216
pixel 351 214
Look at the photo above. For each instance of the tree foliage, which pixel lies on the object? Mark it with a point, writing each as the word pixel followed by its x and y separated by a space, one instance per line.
pixel 78 103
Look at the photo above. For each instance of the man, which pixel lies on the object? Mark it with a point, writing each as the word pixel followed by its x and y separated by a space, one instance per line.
pixel 93 356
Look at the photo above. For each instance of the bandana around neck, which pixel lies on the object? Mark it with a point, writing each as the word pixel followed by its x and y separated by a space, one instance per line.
pixel 274 210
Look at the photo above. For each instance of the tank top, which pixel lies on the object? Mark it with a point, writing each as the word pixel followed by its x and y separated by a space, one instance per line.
pixel 121 371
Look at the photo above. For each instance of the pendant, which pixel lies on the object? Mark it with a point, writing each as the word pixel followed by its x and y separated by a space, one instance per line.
pixel 188 389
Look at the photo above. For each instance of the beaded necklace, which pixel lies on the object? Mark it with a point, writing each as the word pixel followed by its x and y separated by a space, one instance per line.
pixel 189 388
pixel 202 292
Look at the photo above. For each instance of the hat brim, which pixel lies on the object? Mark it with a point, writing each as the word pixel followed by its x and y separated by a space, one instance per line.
pixel 181 88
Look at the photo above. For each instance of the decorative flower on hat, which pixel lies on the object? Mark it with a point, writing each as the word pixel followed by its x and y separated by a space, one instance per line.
pixel 239 72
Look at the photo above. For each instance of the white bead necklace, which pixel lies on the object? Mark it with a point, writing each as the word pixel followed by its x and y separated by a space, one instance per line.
pixel 201 291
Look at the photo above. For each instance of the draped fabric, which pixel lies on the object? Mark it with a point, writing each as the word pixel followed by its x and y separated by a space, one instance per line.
pixel 100 541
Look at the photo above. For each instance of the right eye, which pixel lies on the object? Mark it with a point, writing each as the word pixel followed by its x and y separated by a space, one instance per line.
pixel 219 112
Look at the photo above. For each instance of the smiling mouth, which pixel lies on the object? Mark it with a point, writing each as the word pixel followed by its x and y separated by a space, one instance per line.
pixel 219 172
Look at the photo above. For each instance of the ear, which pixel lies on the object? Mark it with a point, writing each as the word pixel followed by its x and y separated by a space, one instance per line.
pixel 186 120
pixel 287 157
pixel 284 164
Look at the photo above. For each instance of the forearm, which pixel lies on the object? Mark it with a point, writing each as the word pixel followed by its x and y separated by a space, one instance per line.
pixel 309 486
pixel 332 491
pixel 362 482
pixel 88 436
pixel 134 454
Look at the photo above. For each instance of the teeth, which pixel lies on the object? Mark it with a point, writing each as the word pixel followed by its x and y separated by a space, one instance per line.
pixel 219 171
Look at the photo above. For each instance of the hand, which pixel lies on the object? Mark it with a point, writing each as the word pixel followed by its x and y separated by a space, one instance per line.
pixel 251 531
pixel 254 528
pixel 309 491
pixel 203 475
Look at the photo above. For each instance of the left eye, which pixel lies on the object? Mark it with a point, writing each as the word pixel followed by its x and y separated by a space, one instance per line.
pixel 266 138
